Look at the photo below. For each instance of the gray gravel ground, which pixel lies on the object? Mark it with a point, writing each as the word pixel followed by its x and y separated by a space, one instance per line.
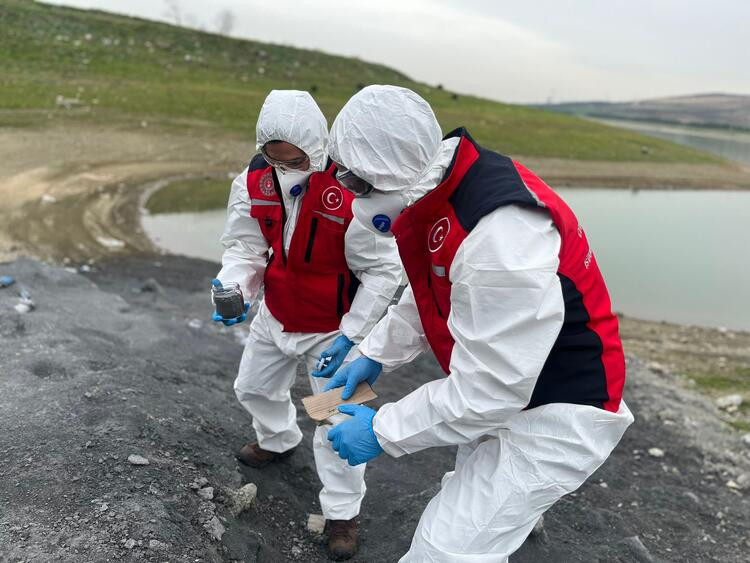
pixel 123 361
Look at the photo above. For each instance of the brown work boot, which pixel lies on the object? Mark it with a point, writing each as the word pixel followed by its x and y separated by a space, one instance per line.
pixel 253 455
pixel 342 539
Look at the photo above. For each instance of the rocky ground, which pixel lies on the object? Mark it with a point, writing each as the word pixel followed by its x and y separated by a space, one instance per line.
pixel 118 364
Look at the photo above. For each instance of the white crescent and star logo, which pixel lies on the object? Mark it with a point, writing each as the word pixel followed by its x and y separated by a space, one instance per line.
pixel 332 198
pixel 438 234
pixel 266 184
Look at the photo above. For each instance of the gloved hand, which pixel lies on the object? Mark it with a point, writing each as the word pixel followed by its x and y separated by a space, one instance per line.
pixel 216 317
pixel 333 357
pixel 354 373
pixel 355 439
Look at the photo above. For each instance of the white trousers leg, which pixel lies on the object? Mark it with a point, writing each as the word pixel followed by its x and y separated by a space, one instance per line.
pixel 263 384
pixel 267 372
pixel 343 485
pixel 487 508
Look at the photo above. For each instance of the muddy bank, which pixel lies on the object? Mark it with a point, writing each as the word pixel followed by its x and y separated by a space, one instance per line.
pixel 73 192
pixel 122 361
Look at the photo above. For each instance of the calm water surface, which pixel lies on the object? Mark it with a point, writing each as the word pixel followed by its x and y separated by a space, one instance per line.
pixel 733 145
pixel 666 255
pixel 680 256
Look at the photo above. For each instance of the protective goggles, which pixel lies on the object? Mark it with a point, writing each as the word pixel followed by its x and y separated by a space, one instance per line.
pixel 292 164
pixel 353 183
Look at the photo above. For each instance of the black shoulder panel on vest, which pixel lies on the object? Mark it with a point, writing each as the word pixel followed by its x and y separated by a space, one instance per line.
pixel 573 372
pixel 257 163
pixel 491 182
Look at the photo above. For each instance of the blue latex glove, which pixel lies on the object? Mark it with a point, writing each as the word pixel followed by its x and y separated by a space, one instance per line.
pixel 333 357
pixel 355 439
pixel 354 373
pixel 216 317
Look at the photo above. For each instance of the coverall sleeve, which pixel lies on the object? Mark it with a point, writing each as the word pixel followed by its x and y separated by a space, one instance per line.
pixel 375 261
pixel 245 248
pixel 399 337
pixel 507 310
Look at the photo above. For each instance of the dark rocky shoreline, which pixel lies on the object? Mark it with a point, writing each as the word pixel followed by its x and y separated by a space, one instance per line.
pixel 123 360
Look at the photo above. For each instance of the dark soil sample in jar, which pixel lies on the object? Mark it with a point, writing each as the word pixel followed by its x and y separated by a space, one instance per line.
pixel 228 301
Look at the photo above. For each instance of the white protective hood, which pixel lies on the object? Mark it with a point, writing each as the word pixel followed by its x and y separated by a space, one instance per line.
pixel 294 117
pixel 386 135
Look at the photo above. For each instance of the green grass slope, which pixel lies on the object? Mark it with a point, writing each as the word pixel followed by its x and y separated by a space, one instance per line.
pixel 121 69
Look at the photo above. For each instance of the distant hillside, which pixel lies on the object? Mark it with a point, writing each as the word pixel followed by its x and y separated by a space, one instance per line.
pixel 705 110
pixel 62 63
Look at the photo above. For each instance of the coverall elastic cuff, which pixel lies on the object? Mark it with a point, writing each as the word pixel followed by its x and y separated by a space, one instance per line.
pixel 390 448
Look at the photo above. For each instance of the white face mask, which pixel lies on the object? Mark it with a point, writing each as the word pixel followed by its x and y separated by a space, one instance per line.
pixel 290 179
pixel 378 211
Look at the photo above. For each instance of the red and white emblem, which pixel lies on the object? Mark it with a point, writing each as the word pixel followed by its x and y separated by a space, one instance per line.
pixel 332 198
pixel 438 234
pixel 266 184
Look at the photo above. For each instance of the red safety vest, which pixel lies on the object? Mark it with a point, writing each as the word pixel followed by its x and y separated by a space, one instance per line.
pixel 586 364
pixel 311 288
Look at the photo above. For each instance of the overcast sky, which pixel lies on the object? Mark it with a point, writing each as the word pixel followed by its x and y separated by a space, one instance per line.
pixel 545 50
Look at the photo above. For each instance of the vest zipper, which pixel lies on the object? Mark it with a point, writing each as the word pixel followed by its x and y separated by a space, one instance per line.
pixel 311 239
pixel 434 299
pixel 340 295
pixel 283 211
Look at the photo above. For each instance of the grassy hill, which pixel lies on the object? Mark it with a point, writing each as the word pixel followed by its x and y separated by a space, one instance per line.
pixel 115 69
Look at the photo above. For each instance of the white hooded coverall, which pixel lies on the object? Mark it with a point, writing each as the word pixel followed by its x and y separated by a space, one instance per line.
pixel 506 310
pixel 269 363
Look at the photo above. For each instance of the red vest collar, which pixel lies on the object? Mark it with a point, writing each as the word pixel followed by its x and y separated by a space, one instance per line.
pixel 466 156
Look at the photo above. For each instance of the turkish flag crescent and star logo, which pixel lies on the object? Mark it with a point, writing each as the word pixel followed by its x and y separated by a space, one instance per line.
pixel 266 184
pixel 332 198
pixel 438 234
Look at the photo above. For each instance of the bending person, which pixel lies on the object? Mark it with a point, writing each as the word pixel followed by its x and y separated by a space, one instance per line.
pixel 506 292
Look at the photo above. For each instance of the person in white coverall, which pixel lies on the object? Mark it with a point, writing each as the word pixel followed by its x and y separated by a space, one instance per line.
pixel 327 281
pixel 506 292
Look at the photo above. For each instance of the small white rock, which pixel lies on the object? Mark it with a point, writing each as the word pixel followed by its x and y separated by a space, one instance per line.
pixel 198 483
pixel 130 544
pixel 243 498
pixel 743 481
pixel 656 452
pixel 156 545
pixel 215 528
pixel 46 198
pixel 207 493
pixel 316 523
pixel 110 242
pixel 136 459
pixel 746 439
pixel 656 367
pixel 727 401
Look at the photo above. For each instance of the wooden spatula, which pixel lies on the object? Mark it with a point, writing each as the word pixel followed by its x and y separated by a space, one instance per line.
pixel 320 407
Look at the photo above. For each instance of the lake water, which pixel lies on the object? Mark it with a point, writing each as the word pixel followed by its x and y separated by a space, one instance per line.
pixel 734 145
pixel 189 234
pixel 679 256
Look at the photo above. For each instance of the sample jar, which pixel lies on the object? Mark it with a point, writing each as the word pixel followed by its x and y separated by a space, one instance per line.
pixel 228 300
